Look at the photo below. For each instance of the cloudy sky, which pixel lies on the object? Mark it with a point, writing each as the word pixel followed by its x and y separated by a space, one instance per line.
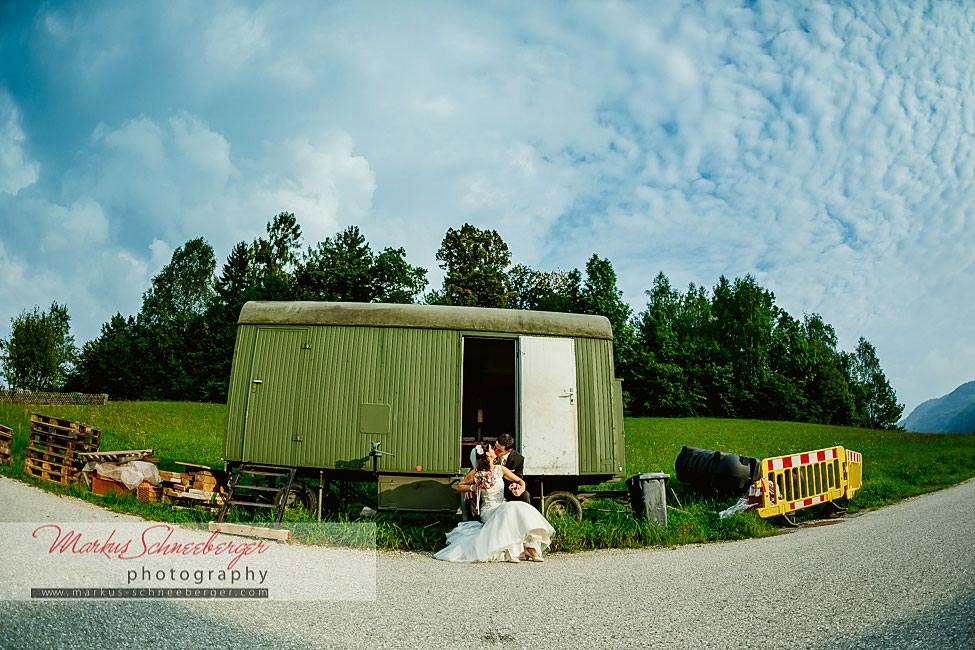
pixel 826 150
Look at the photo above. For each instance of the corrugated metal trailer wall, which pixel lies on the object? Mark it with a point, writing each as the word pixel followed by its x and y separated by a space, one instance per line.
pixel 598 453
pixel 415 371
pixel 233 441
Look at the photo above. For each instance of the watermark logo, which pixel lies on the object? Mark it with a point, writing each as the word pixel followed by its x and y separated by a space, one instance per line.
pixel 150 560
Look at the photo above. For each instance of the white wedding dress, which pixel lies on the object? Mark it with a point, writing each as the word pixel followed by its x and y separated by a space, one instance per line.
pixel 507 528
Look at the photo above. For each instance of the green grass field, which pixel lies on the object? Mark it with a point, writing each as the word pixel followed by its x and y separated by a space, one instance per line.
pixel 897 465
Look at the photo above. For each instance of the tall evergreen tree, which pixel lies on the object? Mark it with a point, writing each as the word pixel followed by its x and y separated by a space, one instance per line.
pixel 275 258
pixel 600 295
pixel 112 362
pixel 236 278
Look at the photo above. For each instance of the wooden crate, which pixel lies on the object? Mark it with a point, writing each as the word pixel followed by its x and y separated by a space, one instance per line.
pixel 6 445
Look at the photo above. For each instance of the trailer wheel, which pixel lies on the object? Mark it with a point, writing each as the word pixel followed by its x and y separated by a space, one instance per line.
pixel 301 496
pixel 560 504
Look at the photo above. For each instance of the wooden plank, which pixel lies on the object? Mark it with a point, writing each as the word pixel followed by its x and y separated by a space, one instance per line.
pixel 6 445
pixel 55 438
pixel 53 477
pixel 206 467
pixel 34 452
pixel 200 495
pixel 46 470
pixel 49 424
pixel 279 534
pixel 63 423
pixel 59 442
pixel 67 428
pixel 49 466
pixel 135 454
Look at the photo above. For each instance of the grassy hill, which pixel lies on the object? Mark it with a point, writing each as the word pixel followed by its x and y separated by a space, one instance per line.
pixel 897 465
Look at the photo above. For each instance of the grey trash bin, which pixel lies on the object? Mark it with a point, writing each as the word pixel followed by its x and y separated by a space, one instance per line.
pixel 648 496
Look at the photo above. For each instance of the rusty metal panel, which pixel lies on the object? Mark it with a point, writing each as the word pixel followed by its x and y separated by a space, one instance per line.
pixel 594 379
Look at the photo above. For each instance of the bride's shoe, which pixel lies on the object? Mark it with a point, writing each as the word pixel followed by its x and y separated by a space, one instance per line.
pixel 510 558
pixel 533 555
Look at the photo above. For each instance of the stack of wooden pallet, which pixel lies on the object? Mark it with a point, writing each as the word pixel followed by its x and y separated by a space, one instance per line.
pixel 54 448
pixel 199 485
pixel 6 442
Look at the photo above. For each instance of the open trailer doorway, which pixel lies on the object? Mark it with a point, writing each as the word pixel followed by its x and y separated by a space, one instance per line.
pixel 489 391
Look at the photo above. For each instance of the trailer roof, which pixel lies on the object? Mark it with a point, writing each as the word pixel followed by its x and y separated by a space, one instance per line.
pixel 476 319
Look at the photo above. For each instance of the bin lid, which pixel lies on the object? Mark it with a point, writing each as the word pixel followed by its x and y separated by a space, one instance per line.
pixel 651 476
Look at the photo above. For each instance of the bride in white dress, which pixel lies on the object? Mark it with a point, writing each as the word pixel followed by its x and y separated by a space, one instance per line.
pixel 511 530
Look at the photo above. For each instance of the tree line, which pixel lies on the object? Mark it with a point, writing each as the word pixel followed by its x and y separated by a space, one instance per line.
pixel 725 352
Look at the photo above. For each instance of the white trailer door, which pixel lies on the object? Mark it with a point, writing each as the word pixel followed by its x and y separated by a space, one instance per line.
pixel 549 430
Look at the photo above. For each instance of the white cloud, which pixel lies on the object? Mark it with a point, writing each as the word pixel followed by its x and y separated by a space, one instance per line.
pixel 204 152
pixel 16 171
pixel 322 180
pixel 11 278
pixel 82 226
pixel 234 39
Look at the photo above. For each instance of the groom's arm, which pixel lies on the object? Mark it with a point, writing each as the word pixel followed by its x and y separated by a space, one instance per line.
pixel 518 467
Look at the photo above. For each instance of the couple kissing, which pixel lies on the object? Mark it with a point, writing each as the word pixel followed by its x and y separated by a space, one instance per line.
pixel 510 529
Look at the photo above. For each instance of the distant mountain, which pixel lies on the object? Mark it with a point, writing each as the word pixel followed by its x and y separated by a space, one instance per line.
pixel 953 413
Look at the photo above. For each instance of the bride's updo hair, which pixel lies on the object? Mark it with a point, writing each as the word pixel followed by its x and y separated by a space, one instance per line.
pixel 483 462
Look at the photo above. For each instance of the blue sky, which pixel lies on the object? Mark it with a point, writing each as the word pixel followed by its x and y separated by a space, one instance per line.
pixel 827 150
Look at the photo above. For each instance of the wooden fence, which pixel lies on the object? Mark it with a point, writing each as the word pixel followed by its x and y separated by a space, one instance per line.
pixel 32 397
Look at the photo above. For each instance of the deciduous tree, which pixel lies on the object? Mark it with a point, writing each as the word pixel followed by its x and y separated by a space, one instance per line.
pixel 40 352
pixel 475 262
pixel 876 402
pixel 344 268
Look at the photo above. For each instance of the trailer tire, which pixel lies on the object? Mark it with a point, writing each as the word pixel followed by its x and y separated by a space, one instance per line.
pixel 559 504
pixel 301 496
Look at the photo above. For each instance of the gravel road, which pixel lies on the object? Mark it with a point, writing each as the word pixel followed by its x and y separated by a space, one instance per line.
pixel 900 577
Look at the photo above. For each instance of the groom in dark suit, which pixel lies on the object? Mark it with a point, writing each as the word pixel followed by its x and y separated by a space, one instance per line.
pixel 504 447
